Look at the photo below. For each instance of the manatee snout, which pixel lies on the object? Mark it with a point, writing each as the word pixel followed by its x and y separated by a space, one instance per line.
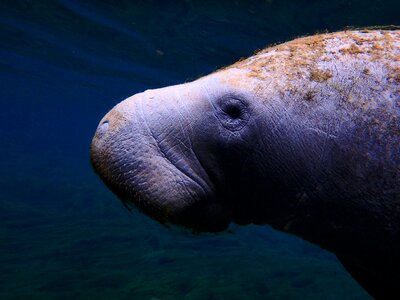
pixel 149 163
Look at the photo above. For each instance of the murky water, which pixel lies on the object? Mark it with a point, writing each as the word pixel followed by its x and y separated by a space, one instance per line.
pixel 63 235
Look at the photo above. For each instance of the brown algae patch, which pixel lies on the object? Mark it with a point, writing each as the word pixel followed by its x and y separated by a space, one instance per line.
pixel 353 49
pixel 320 75
pixel 288 58
pixel 309 96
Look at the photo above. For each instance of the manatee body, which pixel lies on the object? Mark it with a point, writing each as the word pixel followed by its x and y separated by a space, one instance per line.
pixel 304 136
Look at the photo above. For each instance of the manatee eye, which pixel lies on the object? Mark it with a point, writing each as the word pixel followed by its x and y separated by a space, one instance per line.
pixel 232 112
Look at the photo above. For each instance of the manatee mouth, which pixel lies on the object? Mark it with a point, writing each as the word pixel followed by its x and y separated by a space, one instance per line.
pixel 202 215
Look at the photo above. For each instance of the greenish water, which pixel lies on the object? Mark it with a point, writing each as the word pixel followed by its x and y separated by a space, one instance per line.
pixel 63 235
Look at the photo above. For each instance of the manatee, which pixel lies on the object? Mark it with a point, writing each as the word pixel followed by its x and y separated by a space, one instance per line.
pixel 303 136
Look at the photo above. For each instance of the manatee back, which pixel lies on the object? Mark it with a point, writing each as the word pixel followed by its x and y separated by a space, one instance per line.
pixel 344 87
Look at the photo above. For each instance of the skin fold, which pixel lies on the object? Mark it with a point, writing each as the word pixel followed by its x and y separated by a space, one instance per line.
pixel 304 136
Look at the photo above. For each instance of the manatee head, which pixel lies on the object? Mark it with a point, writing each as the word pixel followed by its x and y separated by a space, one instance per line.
pixel 190 154
pixel 296 136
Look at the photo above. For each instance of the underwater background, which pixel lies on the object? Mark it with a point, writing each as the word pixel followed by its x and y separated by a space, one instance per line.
pixel 63 234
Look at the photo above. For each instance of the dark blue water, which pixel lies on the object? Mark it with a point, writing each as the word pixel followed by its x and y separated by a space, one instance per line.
pixel 63 65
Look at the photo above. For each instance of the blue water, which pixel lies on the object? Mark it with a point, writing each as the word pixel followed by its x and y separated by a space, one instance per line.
pixel 63 65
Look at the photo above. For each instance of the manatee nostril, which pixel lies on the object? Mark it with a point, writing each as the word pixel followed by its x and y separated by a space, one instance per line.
pixel 102 129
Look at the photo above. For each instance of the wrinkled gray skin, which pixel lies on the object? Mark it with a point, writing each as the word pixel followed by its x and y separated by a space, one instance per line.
pixel 303 136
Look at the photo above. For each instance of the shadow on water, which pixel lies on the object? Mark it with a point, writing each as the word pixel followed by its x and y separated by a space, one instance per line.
pixel 63 235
